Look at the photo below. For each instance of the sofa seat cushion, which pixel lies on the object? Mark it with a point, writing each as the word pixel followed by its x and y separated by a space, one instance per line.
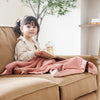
pixel 50 93
pixel 72 86
pixel 15 87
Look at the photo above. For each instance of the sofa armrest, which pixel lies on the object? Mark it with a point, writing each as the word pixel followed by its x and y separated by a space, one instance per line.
pixel 90 58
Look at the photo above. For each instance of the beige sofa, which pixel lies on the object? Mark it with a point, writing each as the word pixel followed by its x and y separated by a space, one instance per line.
pixel 42 87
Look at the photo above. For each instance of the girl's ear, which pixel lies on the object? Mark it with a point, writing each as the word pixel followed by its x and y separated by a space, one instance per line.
pixel 21 28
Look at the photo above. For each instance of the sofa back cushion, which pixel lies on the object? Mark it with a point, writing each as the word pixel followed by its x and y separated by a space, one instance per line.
pixel 7 45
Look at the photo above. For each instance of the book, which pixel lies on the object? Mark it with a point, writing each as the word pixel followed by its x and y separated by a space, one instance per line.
pixel 48 55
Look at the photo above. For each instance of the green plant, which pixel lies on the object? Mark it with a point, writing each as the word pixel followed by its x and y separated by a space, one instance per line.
pixel 42 7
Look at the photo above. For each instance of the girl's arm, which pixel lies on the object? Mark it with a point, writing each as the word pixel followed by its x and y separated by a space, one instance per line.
pixel 22 53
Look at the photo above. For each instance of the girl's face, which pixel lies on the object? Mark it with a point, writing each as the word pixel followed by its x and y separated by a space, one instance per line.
pixel 29 30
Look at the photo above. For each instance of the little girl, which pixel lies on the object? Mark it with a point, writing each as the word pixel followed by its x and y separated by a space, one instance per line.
pixel 26 47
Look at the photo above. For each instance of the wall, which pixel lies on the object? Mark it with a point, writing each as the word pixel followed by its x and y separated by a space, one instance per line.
pixel 94 33
pixel 10 11
pixel 90 9
pixel 63 32
pixel 84 31
pixel 90 37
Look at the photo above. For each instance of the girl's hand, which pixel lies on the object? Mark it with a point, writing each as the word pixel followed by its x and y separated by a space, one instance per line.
pixel 38 53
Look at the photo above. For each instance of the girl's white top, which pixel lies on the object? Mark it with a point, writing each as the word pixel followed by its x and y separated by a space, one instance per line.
pixel 24 50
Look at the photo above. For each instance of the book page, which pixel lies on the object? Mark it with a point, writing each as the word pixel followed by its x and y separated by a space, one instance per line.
pixel 48 55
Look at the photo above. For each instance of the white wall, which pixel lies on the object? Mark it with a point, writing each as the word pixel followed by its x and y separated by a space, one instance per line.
pixel 10 12
pixel 94 33
pixel 84 31
pixel 63 31
pixel 90 37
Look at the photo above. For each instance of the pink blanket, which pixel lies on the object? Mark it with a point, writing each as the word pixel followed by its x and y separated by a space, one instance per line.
pixel 40 65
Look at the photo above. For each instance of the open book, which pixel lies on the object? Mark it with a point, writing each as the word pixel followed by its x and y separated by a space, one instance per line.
pixel 48 55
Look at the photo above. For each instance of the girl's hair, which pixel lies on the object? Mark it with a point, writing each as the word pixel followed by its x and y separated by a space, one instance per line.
pixel 24 21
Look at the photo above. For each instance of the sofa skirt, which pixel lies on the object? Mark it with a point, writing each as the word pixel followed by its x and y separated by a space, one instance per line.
pixel 90 96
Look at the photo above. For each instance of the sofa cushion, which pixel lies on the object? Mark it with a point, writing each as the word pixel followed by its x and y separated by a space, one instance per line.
pixel 72 86
pixel 7 45
pixel 50 93
pixel 16 87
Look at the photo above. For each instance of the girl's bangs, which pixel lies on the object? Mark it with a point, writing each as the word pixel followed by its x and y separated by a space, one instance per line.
pixel 32 22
